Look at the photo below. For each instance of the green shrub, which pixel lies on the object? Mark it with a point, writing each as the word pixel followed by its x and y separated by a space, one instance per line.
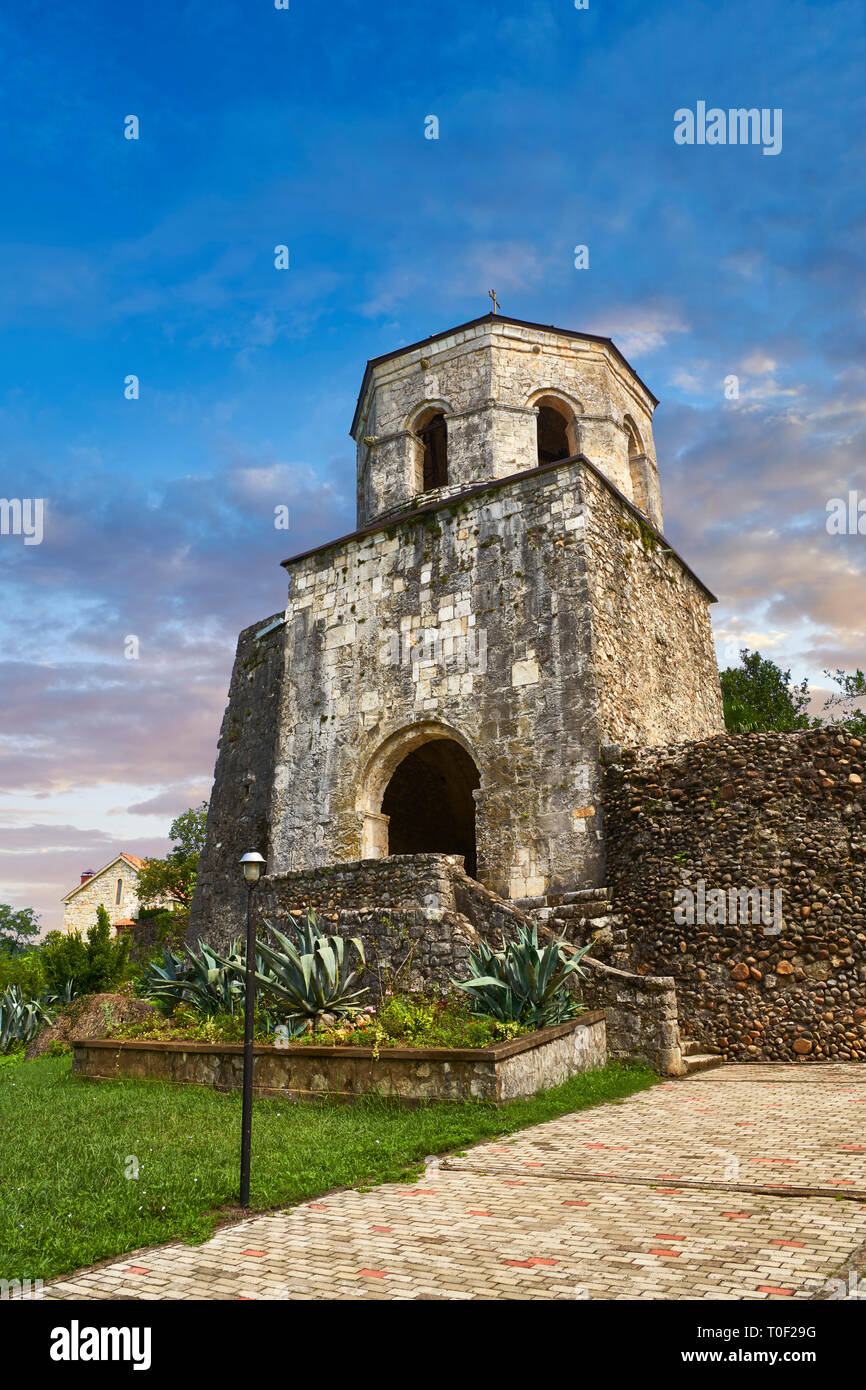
pixel 296 979
pixel 204 983
pixel 418 1021
pixel 25 971
pixel 400 1021
pixel 155 929
pixel 524 983
pixel 95 966
pixel 64 958
pixel 186 1023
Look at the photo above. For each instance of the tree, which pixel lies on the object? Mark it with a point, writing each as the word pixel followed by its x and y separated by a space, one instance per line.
pixel 95 965
pixel 758 696
pixel 844 706
pixel 174 876
pixel 16 928
pixel 106 955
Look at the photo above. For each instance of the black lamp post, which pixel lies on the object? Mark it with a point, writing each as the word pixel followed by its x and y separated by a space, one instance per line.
pixel 252 867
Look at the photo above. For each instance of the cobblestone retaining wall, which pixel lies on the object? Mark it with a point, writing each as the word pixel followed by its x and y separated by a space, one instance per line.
pixel 785 813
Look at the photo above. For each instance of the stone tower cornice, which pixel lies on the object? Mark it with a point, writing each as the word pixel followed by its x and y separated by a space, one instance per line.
pixel 410 514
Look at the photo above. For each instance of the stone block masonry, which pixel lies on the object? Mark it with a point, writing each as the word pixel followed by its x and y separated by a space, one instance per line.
pixel 505 1071
pixel 488 378
pixel 781 812
pixel 240 804
pixel 448 679
pixel 550 565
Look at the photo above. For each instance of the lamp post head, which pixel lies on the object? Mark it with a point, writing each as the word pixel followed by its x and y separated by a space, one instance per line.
pixel 252 864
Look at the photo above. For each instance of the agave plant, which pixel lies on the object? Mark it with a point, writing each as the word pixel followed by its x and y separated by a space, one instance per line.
pixel 53 998
pixel 524 983
pixel 308 976
pixel 206 982
pixel 20 1019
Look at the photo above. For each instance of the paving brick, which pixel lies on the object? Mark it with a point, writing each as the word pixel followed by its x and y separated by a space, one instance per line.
pixel 485 1233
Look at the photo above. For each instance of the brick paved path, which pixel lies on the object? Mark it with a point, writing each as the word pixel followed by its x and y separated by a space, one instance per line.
pixel 744 1182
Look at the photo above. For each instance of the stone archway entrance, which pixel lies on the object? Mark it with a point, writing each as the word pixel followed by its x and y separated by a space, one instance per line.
pixel 418 797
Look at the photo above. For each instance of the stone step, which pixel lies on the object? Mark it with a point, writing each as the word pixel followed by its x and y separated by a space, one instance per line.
pixel 588 897
pixel 692 1048
pixel 543 914
pixel 607 919
pixel 585 911
pixel 701 1061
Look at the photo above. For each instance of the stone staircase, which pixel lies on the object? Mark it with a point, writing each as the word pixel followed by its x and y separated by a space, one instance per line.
pixel 587 915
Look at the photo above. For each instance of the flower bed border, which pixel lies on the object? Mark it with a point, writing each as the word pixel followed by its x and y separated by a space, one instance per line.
pixel 508 1070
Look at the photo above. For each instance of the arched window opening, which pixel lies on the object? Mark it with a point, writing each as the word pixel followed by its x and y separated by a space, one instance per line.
pixel 635 446
pixel 552 430
pixel 637 466
pixel 430 804
pixel 119 894
pixel 433 434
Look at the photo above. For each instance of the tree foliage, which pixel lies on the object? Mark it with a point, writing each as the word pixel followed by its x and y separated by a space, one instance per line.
pixel 847 705
pixel 174 876
pixel 17 926
pixel 758 696
pixel 95 964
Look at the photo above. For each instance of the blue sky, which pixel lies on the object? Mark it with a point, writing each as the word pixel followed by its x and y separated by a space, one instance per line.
pixel 306 127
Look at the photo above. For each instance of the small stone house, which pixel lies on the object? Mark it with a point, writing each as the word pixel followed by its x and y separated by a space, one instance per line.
pixel 114 887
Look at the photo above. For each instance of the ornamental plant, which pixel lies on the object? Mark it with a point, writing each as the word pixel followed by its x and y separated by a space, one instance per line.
pixel 204 982
pixel 524 983
pixel 96 964
pixel 309 975
pixel 20 1019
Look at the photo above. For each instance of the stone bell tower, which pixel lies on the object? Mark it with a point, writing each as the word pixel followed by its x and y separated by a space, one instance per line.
pixel 493 398
pixel 445 678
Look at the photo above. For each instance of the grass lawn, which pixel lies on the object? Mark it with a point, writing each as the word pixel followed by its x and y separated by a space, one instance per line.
pixel 68 1146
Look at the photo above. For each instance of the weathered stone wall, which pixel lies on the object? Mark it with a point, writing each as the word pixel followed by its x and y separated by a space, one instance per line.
pixel 514 617
pixel 510 620
pixel 403 910
pixel 486 378
pixel 423 881
pixel 494 584
pixel 779 812
pixel 641 1010
pixel 240 804
pixel 642 1015
pixel 419 916
pixel 503 1072
pixel 652 645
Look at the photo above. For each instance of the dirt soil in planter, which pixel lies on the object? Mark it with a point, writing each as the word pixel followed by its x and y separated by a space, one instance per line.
pixel 86 1018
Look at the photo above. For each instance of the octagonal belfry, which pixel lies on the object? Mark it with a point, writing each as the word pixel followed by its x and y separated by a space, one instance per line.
pixel 491 398
pixel 445 678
